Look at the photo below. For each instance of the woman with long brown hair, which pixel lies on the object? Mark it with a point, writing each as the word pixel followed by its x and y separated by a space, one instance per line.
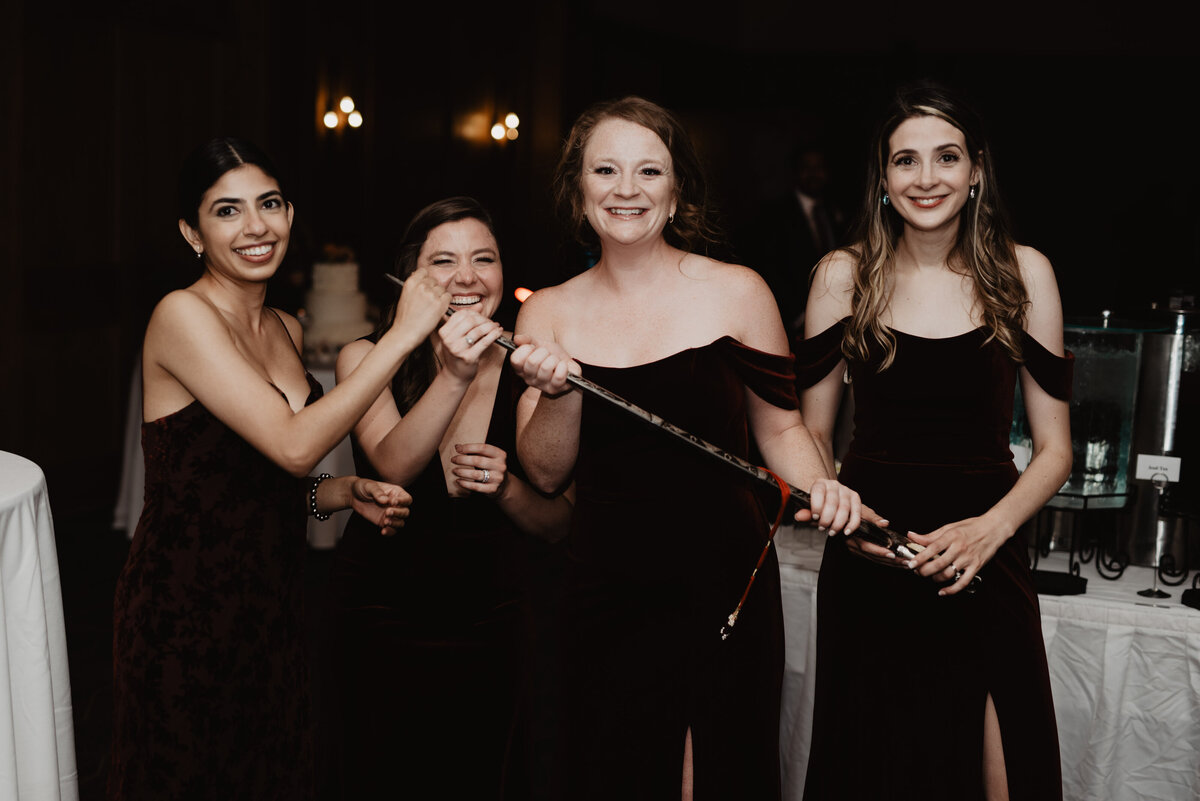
pixel 931 318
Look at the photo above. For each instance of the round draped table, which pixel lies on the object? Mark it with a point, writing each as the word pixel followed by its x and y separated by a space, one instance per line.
pixel 37 735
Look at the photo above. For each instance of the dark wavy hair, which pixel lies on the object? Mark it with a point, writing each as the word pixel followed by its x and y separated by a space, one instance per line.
pixel 417 372
pixel 205 166
pixel 984 249
pixel 693 229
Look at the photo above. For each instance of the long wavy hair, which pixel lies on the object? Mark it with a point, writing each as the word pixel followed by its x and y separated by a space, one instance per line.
pixel 984 248
pixel 417 371
pixel 693 229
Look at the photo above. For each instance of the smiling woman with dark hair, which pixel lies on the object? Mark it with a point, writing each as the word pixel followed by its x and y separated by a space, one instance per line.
pixel 210 684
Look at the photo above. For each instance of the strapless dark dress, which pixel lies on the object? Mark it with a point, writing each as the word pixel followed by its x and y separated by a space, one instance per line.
pixel 903 674
pixel 210 671
pixel 663 541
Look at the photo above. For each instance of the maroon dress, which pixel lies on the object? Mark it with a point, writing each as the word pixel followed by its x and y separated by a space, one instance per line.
pixel 903 674
pixel 210 673
pixel 662 543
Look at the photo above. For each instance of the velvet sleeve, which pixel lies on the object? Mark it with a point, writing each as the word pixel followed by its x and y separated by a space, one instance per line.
pixel 817 356
pixel 768 375
pixel 1052 373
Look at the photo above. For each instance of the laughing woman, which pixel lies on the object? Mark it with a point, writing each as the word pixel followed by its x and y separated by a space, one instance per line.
pixel 210 684
pixel 427 624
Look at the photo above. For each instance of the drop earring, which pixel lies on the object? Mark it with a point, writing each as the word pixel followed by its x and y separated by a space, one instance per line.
pixel 972 193
pixel 886 199
pixel 199 253
pixel 670 218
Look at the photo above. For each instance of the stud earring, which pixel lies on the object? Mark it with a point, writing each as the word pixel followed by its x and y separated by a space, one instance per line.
pixel 972 193
pixel 886 199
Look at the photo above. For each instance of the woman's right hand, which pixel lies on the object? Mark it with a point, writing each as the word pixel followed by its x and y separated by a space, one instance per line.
pixel 465 337
pixel 422 305
pixel 543 365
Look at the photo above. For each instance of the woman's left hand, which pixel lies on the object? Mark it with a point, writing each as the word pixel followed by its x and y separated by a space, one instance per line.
pixel 834 507
pixel 956 552
pixel 465 337
pixel 385 505
pixel 480 467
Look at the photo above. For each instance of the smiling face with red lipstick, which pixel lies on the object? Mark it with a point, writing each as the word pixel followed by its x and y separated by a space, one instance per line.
pixel 929 172
pixel 243 225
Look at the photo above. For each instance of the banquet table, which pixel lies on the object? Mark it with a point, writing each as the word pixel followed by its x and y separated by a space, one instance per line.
pixel 128 507
pixel 37 735
pixel 1124 670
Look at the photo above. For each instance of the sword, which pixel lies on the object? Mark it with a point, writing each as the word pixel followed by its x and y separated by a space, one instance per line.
pixel 894 541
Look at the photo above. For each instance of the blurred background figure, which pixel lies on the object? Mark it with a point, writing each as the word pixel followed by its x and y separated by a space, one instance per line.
pixel 791 232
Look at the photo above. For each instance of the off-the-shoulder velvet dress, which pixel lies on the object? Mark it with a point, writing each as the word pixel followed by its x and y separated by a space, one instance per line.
pixel 662 542
pixel 210 666
pixel 903 674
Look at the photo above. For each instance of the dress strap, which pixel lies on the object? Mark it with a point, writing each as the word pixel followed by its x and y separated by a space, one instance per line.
pixel 768 375
pixel 286 331
pixel 1052 373
pixel 817 356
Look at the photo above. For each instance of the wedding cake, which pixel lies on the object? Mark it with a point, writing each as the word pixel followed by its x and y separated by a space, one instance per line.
pixel 336 309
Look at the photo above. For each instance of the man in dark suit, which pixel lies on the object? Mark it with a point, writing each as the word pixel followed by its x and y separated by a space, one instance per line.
pixel 791 233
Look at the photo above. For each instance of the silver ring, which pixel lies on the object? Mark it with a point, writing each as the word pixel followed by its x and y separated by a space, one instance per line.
pixel 487 476
pixel 957 573
pixel 470 340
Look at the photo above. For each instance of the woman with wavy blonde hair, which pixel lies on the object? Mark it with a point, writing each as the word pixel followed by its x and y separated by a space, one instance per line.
pixel 931 317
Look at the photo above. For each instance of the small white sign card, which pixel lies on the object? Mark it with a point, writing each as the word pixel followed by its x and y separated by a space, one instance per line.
pixel 1151 465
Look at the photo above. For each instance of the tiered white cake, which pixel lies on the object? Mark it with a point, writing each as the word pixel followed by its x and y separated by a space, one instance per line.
pixel 337 310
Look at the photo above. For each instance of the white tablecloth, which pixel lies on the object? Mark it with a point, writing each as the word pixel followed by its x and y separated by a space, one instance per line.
pixel 37 734
pixel 1124 670
pixel 128 508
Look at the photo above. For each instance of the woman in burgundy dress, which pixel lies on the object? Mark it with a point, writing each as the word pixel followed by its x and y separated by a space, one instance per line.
pixel 210 686
pixel 663 539
pixel 427 625
pixel 923 690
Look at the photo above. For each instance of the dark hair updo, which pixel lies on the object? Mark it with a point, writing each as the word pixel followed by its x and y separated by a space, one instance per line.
pixel 205 166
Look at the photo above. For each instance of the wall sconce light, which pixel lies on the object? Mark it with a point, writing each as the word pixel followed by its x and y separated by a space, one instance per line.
pixel 507 129
pixel 346 113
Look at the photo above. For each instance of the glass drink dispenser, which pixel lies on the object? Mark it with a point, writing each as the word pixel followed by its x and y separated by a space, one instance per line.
pixel 1102 407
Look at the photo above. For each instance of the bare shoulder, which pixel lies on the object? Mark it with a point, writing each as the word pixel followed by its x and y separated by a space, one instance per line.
pixel 729 282
pixel 350 355
pixel 832 290
pixel 1043 320
pixel 1036 271
pixel 541 310
pixel 182 311
pixel 834 273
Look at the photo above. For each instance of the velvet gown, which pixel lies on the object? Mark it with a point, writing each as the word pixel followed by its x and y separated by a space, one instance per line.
pixel 426 639
pixel 662 543
pixel 903 674
pixel 210 666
